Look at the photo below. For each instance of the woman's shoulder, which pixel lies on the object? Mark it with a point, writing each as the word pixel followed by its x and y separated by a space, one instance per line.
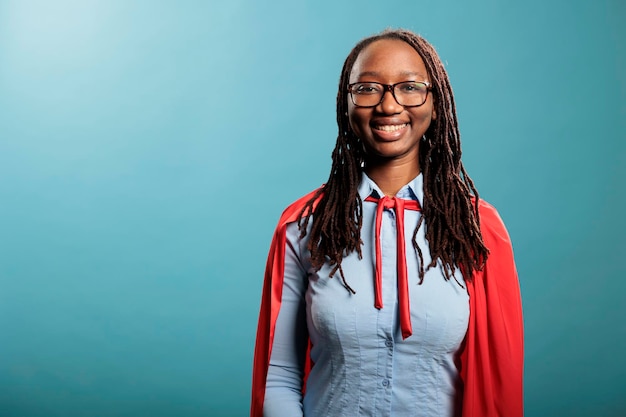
pixel 491 224
pixel 292 212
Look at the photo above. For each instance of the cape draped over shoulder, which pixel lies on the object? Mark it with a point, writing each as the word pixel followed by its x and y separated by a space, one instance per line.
pixel 492 353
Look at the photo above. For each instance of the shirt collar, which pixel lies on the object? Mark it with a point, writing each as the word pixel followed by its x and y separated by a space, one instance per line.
pixel 414 190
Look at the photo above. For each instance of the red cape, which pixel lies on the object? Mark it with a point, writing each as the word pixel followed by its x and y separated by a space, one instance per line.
pixel 493 351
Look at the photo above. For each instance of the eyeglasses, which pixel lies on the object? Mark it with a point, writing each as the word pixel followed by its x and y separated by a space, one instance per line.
pixel 406 93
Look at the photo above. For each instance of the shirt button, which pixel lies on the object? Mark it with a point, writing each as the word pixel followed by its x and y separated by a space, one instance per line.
pixel 388 343
pixel 385 383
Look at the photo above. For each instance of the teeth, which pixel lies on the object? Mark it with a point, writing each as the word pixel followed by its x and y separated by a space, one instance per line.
pixel 391 128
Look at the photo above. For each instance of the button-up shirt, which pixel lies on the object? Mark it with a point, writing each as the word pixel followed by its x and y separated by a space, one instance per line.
pixel 362 366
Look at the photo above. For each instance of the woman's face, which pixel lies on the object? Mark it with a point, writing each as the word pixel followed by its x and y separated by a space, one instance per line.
pixel 389 130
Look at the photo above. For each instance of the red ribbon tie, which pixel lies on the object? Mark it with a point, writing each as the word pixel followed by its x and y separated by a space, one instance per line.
pixel 403 283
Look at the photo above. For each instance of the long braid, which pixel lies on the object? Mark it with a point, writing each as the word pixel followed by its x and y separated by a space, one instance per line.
pixel 451 218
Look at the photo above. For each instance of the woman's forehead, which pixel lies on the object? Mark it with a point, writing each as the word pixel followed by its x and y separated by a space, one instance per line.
pixel 388 58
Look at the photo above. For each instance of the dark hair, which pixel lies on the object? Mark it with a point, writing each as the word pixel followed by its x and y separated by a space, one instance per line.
pixel 451 217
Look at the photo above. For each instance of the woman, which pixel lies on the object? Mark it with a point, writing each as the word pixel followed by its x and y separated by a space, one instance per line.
pixel 392 289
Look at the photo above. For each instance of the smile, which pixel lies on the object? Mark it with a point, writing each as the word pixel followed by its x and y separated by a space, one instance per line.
pixel 391 128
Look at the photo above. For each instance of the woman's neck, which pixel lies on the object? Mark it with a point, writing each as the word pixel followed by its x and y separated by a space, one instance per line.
pixel 391 176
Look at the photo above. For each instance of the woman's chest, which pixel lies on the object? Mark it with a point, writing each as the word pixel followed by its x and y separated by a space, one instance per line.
pixel 439 308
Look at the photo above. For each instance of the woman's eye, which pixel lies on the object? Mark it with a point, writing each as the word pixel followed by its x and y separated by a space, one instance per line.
pixel 367 89
pixel 411 88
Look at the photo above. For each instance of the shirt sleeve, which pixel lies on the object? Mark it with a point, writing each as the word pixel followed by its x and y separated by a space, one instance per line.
pixel 283 393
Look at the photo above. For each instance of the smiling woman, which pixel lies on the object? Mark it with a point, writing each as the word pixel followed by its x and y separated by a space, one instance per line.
pixel 426 316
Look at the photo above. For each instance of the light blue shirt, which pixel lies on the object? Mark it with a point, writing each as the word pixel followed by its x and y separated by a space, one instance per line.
pixel 362 367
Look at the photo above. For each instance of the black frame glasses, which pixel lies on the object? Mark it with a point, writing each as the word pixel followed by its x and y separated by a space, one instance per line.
pixel 386 87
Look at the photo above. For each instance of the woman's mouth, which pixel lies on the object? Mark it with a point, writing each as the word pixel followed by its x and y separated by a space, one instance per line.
pixel 390 128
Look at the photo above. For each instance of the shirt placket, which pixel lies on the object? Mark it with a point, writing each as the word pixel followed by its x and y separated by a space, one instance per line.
pixel 388 312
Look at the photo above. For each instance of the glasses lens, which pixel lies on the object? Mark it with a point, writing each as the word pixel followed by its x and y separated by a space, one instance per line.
pixel 411 93
pixel 367 94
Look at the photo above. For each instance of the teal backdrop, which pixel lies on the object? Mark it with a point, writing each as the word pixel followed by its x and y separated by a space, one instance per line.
pixel 147 149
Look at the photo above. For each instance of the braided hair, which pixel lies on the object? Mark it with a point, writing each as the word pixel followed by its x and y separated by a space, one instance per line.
pixel 450 207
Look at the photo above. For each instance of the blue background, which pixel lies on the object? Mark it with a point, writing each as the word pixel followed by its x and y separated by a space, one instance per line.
pixel 147 149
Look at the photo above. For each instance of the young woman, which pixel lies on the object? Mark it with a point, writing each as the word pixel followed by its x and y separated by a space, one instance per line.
pixel 392 289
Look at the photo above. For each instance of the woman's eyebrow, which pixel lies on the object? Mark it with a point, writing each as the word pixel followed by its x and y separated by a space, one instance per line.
pixel 377 74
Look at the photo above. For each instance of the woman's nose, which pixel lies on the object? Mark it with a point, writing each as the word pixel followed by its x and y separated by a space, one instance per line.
pixel 389 104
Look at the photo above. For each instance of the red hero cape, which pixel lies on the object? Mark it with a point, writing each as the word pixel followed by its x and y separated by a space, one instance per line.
pixel 493 351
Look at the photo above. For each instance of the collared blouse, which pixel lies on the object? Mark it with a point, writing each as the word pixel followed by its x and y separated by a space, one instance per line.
pixel 362 365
